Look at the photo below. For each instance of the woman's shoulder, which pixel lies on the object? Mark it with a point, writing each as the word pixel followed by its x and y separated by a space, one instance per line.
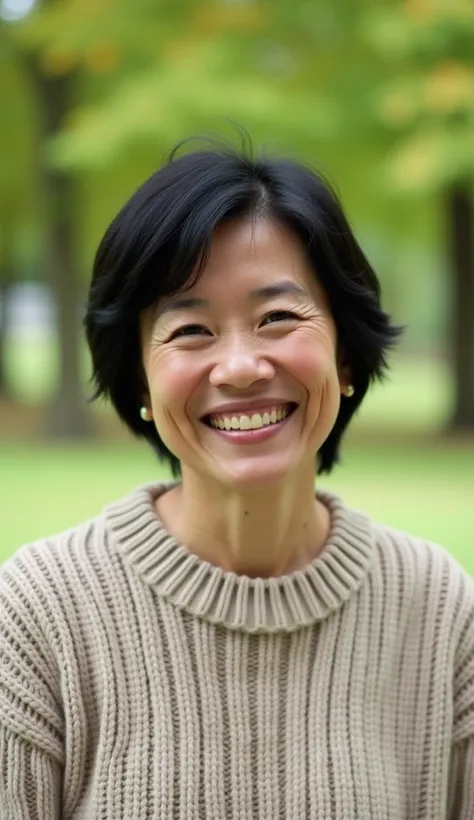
pixel 47 573
pixel 432 597
pixel 67 563
pixel 92 538
pixel 36 556
pixel 399 557
pixel 418 552
pixel 46 599
pixel 423 572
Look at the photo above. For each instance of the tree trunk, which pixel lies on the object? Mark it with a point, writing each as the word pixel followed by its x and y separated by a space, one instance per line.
pixel 6 280
pixel 3 330
pixel 460 215
pixel 67 415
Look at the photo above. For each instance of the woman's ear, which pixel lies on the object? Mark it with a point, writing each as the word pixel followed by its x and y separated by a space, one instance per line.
pixel 343 369
pixel 345 378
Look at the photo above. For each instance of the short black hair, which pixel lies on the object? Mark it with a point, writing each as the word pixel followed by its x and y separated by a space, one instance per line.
pixel 158 245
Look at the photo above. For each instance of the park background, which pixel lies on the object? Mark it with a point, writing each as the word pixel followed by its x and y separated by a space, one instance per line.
pixel 379 96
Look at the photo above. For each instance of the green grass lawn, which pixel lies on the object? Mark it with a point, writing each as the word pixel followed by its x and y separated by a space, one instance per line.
pixel 427 489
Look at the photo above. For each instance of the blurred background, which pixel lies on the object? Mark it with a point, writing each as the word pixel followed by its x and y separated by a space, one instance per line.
pixel 379 96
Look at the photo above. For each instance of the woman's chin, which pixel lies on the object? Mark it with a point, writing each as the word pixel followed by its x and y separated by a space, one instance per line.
pixel 255 473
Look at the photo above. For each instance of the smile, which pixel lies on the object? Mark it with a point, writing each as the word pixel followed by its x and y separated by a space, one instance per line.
pixel 234 423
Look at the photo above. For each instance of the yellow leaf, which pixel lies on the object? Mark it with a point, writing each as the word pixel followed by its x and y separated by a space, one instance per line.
pixel 415 166
pixel 398 107
pixel 449 87
pixel 212 18
pixel 421 10
pixel 102 57
pixel 438 11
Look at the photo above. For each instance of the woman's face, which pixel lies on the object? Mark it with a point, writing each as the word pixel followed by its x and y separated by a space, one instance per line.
pixel 241 369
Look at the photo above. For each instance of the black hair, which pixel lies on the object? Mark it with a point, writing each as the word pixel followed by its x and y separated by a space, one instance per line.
pixel 159 243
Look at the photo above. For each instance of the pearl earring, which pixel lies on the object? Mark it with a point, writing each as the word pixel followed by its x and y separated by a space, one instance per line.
pixel 145 414
pixel 349 391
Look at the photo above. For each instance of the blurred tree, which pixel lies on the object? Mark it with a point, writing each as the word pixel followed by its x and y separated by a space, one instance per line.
pixel 49 85
pixel 426 100
pixel 17 206
pixel 55 94
pixel 5 281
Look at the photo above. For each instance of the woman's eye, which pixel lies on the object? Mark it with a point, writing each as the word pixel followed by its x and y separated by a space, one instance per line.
pixel 190 330
pixel 278 316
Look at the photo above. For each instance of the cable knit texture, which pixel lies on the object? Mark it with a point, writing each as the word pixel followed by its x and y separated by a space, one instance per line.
pixel 140 682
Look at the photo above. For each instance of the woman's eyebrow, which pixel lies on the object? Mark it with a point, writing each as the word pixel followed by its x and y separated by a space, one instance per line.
pixel 184 303
pixel 279 289
pixel 258 294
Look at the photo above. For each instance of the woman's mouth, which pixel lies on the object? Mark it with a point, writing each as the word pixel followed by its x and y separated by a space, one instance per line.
pixel 237 425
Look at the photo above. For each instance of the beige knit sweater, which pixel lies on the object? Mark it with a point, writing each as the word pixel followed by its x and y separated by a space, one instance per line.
pixel 140 682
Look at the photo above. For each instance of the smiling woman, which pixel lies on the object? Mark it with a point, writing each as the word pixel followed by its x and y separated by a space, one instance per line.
pixel 236 643
pixel 214 360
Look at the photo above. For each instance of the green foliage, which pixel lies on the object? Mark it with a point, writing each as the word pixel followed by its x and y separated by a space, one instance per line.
pixel 380 94
pixel 18 136
pixel 392 80
pixel 427 98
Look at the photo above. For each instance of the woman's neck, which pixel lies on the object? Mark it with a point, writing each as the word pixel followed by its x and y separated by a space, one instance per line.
pixel 259 533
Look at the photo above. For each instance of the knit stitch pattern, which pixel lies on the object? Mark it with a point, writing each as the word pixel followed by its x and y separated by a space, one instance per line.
pixel 138 681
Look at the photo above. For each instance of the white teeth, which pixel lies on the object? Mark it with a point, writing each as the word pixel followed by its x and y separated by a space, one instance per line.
pixel 256 421
pixel 245 423
pixel 253 422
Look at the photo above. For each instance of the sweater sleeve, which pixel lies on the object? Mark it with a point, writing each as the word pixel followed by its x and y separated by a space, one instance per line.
pixel 31 723
pixel 461 781
pixel 461 784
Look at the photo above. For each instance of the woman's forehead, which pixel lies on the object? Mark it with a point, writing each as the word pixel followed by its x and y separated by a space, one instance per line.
pixel 263 257
pixel 250 239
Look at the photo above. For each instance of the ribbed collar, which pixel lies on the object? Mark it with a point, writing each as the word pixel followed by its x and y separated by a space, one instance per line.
pixel 236 601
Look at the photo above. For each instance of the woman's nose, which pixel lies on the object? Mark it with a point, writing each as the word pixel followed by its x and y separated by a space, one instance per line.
pixel 240 366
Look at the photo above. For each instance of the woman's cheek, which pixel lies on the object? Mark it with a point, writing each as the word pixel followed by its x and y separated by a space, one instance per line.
pixel 173 380
pixel 311 362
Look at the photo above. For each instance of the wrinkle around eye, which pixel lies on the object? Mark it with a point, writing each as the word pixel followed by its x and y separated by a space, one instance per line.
pixel 321 332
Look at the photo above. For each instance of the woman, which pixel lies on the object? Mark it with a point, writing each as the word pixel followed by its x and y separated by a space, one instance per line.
pixel 231 644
